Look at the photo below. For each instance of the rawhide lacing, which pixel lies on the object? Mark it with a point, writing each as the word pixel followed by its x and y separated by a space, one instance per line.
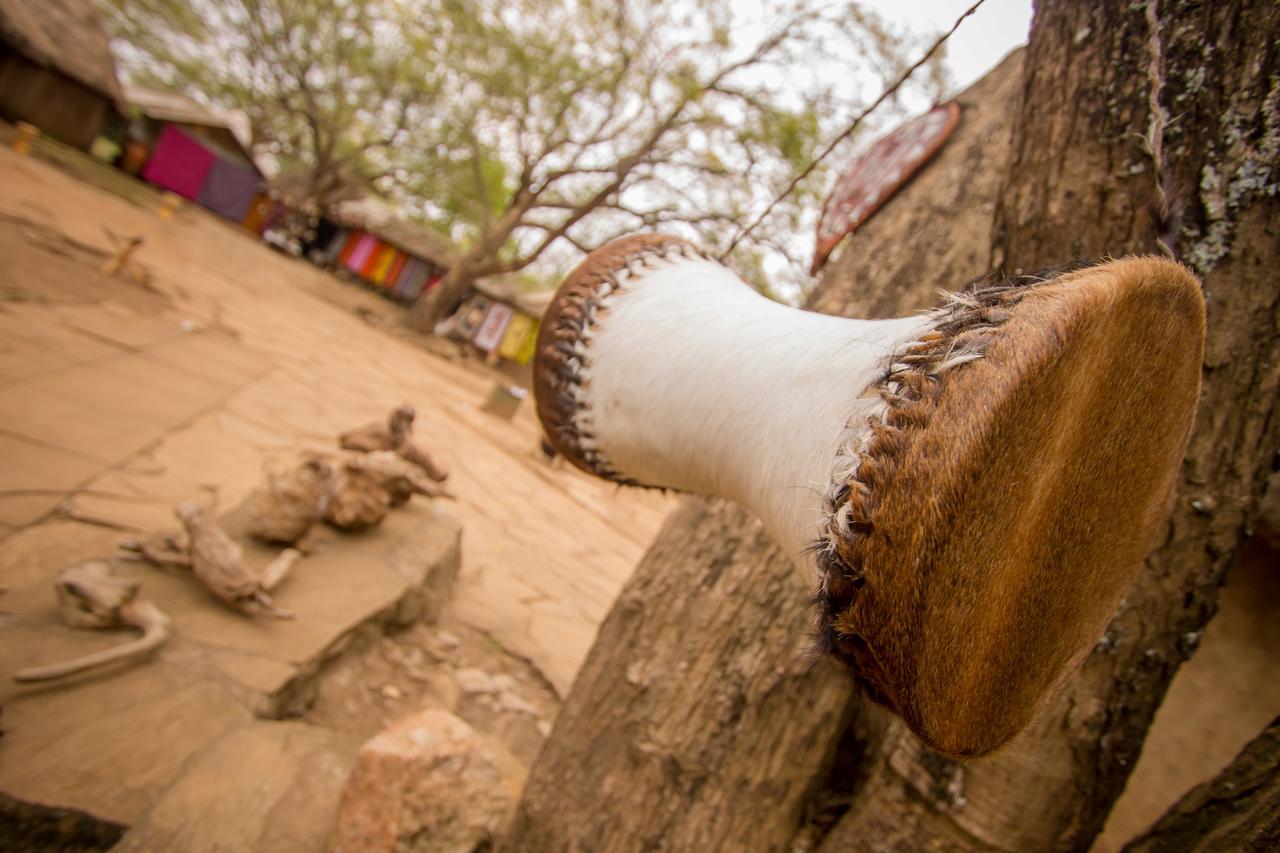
pixel 868 455
pixel 563 369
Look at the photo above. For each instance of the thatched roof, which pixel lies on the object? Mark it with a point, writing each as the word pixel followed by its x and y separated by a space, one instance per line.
pixel 378 218
pixel 66 35
pixel 170 106
pixel 164 106
pixel 508 289
pixel 294 183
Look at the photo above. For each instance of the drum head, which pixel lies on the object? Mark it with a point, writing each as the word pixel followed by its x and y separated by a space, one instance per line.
pixel 1005 505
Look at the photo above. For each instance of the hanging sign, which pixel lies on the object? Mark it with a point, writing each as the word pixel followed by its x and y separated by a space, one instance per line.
pixel 489 335
pixel 878 173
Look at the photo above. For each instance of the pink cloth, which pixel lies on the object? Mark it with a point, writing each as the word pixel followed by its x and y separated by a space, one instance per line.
pixel 178 163
pixel 363 250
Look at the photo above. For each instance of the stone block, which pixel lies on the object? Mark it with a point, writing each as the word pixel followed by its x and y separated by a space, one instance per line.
pixel 429 782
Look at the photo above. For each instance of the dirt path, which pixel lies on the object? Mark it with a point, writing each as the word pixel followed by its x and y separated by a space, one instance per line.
pixel 83 366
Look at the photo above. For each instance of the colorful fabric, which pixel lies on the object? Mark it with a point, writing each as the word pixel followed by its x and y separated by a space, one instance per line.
pixel 178 163
pixel 489 335
pixel 344 255
pixel 417 285
pixel 336 245
pixel 361 251
pixel 375 258
pixel 229 189
pixel 259 207
pixel 393 272
pixel 413 270
pixel 530 344
pixel 383 268
pixel 513 340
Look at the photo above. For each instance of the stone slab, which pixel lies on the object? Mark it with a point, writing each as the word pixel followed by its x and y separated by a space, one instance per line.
pixel 119 326
pixel 39 414
pixel 109 742
pixel 264 786
pixel 22 359
pixel 134 388
pixel 34 478
pixel 218 358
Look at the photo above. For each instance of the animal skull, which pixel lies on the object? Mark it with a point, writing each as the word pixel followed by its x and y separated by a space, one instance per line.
pixel 91 596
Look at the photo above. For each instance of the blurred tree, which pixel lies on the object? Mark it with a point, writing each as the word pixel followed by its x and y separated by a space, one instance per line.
pixel 333 90
pixel 540 126
pixel 567 124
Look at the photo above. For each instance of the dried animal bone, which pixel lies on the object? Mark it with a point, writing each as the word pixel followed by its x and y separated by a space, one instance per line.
pixel 399 476
pixel 91 596
pixel 284 510
pixel 168 549
pixel 359 501
pixel 413 452
pixel 375 436
pixel 218 563
pixel 397 435
pixel 369 484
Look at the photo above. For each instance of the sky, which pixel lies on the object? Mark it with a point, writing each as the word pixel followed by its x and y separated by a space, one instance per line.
pixel 982 40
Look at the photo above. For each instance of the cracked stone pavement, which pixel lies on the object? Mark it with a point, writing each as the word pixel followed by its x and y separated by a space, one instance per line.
pixel 118 399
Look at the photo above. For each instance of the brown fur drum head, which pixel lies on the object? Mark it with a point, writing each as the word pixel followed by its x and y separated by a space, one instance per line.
pixel 1003 508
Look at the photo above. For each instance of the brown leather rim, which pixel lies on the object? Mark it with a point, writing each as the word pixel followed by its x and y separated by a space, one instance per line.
pixel 560 358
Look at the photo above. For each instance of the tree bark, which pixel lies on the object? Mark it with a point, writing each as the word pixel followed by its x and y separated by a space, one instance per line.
pixel 443 299
pixel 697 721
pixel 1238 810
pixel 1081 185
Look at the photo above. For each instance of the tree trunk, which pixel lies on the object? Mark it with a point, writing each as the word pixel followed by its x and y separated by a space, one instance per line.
pixel 1238 810
pixel 696 721
pixel 1081 184
pixel 443 299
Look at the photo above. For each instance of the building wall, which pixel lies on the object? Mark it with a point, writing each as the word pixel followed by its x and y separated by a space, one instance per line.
pixel 61 107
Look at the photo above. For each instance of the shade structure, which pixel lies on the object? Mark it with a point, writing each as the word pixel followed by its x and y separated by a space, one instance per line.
pixel 229 189
pixel 179 163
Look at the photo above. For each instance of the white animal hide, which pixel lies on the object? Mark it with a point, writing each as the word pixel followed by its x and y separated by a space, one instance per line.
pixel 695 381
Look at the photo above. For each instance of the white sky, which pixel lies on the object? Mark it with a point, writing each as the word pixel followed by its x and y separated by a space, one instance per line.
pixel 982 40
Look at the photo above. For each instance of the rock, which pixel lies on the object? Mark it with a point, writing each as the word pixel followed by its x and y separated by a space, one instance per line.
pixel 473 680
pixel 429 782
pixel 443 646
pixel 514 703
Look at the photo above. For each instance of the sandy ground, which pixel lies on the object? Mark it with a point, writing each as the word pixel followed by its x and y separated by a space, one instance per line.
pixel 545 549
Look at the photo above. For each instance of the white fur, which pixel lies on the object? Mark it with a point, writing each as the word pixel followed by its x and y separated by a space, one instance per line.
pixel 695 381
